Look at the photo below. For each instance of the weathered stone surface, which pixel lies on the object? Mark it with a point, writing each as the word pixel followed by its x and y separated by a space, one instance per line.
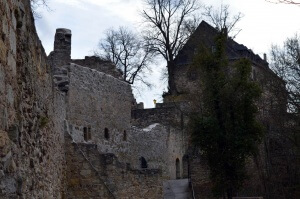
pixel 27 96
pixel 8 186
pixel 98 101
pixel 108 176
pixel 62 48
pixel 13 133
pixel 39 158
pixel 5 145
pixel 98 64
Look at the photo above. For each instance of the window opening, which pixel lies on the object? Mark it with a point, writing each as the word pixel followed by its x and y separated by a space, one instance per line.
pixel 106 134
pixel 85 134
pixel 144 164
pixel 124 135
pixel 89 134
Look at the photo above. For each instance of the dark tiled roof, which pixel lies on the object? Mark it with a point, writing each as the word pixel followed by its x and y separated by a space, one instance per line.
pixel 205 35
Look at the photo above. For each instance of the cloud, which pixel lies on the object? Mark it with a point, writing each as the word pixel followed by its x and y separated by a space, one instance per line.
pixel 262 25
pixel 86 20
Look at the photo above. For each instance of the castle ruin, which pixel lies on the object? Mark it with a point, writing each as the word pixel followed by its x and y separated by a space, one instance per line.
pixel 72 128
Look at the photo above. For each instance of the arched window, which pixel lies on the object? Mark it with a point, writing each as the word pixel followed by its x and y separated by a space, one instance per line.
pixel 144 164
pixel 106 133
pixel 177 168
pixel 124 135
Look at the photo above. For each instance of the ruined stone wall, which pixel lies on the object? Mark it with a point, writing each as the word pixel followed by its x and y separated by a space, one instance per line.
pixel 91 174
pixel 101 104
pixel 162 138
pixel 61 54
pixel 187 78
pixel 199 174
pixel 98 64
pixel 164 113
pixel 97 101
pixel 160 146
pixel 31 131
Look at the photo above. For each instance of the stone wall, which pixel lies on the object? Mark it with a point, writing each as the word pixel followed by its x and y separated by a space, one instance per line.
pixel 61 55
pixel 165 113
pixel 31 130
pixel 162 138
pixel 98 64
pixel 91 174
pixel 160 146
pixel 100 104
pixel 199 174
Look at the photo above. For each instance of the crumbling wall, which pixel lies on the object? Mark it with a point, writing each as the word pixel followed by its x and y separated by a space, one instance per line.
pixel 61 54
pixel 91 174
pixel 160 136
pixel 199 174
pixel 100 104
pixel 31 153
pixel 160 146
pixel 98 64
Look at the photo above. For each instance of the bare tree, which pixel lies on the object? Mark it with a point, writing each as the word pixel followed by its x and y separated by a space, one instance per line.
pixel 284 2
pixel 222 20
pixel 285 62
pixel 35 4
pixel 128 52
pixel 169 23
pixel 282 106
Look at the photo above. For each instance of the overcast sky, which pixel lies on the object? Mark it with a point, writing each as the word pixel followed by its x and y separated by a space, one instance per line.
pixel 263 24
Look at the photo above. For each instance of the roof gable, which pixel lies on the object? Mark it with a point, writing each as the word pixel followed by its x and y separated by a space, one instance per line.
pixel 205 35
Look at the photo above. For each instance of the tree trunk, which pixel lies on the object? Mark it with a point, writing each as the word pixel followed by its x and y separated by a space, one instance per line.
pixel 171 79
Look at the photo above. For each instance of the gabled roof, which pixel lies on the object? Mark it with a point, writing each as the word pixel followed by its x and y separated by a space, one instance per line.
pixel 205 35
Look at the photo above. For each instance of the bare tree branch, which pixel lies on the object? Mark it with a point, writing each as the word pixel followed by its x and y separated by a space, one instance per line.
pixel 222 20
pixel 284 2
pixel 285 62
pixel 168 25
pixel 35 4
pixel 128 52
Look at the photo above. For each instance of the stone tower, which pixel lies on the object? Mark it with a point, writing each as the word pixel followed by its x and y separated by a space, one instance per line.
pixel 62 48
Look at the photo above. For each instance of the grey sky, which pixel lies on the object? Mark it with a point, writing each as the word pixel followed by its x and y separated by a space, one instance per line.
pixel 263 24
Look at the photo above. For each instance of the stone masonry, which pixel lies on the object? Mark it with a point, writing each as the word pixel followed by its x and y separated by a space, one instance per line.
pixel 99 122
pixel 31 128
pixel 72 128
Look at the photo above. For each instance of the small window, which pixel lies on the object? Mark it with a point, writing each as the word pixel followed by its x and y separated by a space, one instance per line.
pixel 85 136
pixel 124 136
pixel 87 133
pixel 106 133
pixel 144 164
